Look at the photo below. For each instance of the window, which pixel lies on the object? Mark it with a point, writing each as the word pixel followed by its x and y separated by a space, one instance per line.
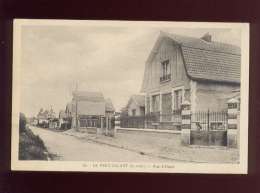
pixel 156 103
pixel 133 112
pixel 165 71
pixel 177 99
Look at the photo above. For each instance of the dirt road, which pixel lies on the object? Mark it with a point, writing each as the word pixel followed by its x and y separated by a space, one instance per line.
pixel 70 148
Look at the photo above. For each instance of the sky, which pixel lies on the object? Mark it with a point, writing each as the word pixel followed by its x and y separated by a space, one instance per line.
pixel 108 59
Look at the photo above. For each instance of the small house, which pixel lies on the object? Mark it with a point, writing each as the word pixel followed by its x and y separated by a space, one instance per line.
pixel 133 114
pixel 136 105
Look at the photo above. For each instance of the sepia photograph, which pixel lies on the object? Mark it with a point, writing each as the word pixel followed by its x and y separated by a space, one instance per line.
pixel 130 96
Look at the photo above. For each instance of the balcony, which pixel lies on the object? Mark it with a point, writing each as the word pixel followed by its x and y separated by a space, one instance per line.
pixel 165 78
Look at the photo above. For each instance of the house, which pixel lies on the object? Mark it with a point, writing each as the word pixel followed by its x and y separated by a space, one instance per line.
pixel 33 121
pixel 123 112
pixel 136 105
pixel 88 108
pixel 133 114
pixel 43 118
pixel 46 118
pixel 198 70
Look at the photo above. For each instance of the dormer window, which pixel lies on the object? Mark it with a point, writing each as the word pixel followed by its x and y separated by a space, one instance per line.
pixel 165 71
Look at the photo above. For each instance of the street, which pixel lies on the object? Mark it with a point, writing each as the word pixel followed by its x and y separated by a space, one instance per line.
pixel 70 148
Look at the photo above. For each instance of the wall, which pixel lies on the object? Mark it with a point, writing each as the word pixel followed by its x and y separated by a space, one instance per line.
pixel 215 138
pixel 213 96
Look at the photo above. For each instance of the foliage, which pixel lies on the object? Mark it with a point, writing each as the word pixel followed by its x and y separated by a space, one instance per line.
pixel 31 147
pixel 22 122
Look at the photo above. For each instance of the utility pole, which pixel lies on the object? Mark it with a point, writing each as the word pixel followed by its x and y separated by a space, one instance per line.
pixel 76 105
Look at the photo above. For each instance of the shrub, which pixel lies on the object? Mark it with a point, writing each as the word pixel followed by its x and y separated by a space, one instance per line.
pixel 22 122
pixel 31 147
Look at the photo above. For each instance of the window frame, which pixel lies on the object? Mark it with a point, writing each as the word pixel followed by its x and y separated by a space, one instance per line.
pixel 165 71
pixel 181 88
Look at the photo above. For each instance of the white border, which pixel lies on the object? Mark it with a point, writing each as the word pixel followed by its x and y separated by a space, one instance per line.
pixel 240 168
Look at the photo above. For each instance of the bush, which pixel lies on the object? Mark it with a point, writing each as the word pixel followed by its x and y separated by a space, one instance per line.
pixel 22 122
pixel 31 147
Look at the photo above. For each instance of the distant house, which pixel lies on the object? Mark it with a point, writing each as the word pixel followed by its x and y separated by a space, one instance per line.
pixel 43 118
pixel 198 70
pixel 123 112
pixel 88 108
pixel 136 105
pixel 132 115
pixel 33 121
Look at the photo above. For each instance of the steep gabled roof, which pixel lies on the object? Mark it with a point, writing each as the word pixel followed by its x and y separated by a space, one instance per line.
pixel 207 60
pixel 89 103
pixel 109 105
pixel 89 96
pixel 200 43
pixel 138 99
pixel 91 108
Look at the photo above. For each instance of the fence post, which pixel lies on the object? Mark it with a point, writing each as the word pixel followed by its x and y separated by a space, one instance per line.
pixel 107 125
pixel 117 121
pixel 185 122
pixel 100 130
pixel 232 130
pixel 113 127
pixel 208 120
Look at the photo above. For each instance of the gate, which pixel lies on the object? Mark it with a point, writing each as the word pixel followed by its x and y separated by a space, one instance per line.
pixel 209 120
pixel 209 128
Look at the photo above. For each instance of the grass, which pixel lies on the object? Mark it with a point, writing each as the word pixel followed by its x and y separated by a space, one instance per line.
pixel 31 147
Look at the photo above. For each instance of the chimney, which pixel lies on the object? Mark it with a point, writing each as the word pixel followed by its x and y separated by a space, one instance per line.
pixel 206 37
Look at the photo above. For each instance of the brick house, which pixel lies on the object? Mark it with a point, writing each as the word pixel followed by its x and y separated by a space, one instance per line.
pixel 180 68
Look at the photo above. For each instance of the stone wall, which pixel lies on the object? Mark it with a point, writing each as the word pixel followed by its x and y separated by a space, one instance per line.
pixel 216 138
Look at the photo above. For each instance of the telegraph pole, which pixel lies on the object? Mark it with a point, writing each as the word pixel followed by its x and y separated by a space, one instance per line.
pixel 76 105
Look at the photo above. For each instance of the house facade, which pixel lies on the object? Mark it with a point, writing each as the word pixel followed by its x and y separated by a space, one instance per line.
pixel 136 105
pixel 87 108
pixel 198 70
pixel 44 117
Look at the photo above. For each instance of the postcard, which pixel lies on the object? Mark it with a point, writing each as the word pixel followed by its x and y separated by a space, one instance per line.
pixel 130 96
